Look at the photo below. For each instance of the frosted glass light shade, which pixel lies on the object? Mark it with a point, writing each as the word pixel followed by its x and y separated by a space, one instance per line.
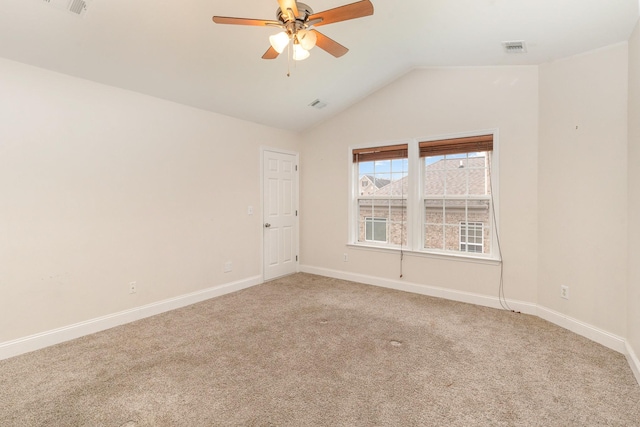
pixel 279 41
pixel 307 39
pixel 299 53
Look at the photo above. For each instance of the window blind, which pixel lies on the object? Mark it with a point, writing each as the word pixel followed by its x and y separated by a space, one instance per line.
pixel 471 144
pixel 388 152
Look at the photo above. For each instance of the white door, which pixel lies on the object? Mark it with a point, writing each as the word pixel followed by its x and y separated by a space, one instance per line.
pixel 280 214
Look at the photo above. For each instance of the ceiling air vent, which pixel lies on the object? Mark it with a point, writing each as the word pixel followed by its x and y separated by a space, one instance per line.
pixel 77 7
pixel 517 46
pixel 317 104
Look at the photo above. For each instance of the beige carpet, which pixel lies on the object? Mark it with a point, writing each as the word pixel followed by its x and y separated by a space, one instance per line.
pixel 310 351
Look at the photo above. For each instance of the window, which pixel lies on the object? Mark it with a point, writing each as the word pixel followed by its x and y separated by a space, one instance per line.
pixel 375 229
pixel 456 190
pixel 471 236
pixel 431 196
pixel 381 211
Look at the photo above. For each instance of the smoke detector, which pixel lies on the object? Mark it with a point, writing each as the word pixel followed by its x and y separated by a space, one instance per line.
pixel 76 7
pixel 516 46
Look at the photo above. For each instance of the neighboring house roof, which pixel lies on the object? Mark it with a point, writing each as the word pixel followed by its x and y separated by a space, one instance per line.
pixel 453 175
pixel 378 182
pixel 449 172
pixel 395 188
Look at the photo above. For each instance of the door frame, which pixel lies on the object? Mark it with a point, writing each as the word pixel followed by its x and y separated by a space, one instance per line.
pixel 296 192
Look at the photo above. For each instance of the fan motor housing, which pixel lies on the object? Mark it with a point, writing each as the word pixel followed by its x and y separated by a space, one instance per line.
pixel 304 11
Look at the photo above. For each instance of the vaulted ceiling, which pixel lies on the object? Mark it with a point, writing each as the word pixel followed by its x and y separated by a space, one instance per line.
pixel 173 50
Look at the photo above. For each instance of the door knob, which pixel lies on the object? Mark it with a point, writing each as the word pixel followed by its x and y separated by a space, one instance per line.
pixel 267 225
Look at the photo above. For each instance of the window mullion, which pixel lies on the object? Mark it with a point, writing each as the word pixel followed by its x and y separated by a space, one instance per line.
pixel 414 220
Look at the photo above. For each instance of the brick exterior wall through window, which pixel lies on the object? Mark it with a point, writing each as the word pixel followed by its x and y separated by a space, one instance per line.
pixel 442 216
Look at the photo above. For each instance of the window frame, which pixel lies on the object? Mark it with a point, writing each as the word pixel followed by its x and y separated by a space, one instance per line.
pixel 355 196
pixel 415 225
pixel 373 221
pixel 465 225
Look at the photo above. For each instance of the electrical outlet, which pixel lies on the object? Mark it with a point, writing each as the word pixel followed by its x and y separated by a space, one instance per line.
pixel 132 287
pixel 564 292
pixel 228 266
pixel 345 257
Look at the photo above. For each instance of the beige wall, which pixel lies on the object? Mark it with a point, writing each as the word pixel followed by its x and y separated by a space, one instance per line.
pixel 101 186
pixel 582 190
pixel 424 103
pixel 633 297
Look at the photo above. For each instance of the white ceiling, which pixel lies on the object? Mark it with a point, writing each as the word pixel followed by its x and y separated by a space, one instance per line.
pixel 172 50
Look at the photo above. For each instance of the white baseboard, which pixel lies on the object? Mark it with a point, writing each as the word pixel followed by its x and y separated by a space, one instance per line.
pixel 37 341
pixel 433 291
pixel 66 333
pixel 634 362
pixel 598 335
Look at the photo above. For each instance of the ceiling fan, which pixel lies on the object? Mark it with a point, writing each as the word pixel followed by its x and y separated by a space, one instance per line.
pixel 298 22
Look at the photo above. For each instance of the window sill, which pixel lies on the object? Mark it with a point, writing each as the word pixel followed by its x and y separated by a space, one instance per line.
pixel 432 255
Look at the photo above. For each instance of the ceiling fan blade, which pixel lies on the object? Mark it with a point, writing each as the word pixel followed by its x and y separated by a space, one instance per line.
pixel 289 5
pixel 343 13
pixel 246 21
pixel 271 53
pixel 330 45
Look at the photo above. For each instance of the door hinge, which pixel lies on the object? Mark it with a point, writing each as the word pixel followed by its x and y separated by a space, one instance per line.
pixel 296 257
pixel 296 213
pixel 296 168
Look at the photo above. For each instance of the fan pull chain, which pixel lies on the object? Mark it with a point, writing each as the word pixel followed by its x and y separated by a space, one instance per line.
pixel 289 59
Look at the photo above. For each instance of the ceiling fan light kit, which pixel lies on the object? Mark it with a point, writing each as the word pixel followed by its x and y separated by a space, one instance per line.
pixel 303 41
pixel 279 41
pixel 307 39
pixel 299 53
pixel 298 22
